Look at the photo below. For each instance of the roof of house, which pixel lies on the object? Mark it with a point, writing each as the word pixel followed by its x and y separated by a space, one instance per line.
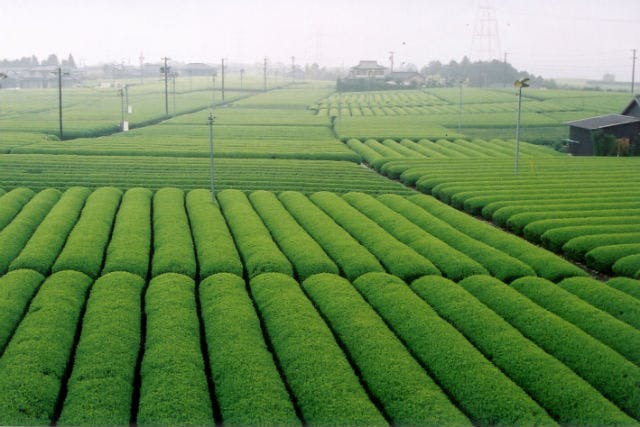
pixel 369 65
pixel 634 102
pixel 600 122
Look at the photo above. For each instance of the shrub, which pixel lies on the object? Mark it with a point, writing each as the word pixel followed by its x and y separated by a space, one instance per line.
pixel 306 255
pixel 627 266
pixel 173 250
pixel 131 239
pixel 450 262
pixel 555 238
pixel 12 202
pixel 535 229
pixel 498 263
pixel 100 388
pixel 352 258
pixel 484 393
pixel 597 323
pixel 566 396
pixel 544 263
pixel 258 250
pixel 215 248
pixel 614 302
pixel 626 285
pixel 405 391
pixel 47 241
pixel 603 258
pixel 614 376
pixel 16 290
pixel 248 387
pixel 398 258
pixel 173 388
pixel 325 387
pixel 15 235
pixel 34 363
pixel 85 246
pixel 578 247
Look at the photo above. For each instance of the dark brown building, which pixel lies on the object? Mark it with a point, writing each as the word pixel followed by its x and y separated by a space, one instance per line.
pixel 581 132
pixel 633 109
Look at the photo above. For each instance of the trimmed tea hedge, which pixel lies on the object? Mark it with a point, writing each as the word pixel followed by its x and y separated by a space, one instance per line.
pixel 85 246
pixel 627 266
pixel 173 389
pixel 603 258
pixel 496 262
pixel 258 250
pixel 614 376
pixel 326 389
pixel 484 393
pixel 47 241
pixel 449 261
pixel 566 396
pixel 544 263
pixel 628 286
pixel 407 394
pixel 614 302
pixel 12 202
pixel 130 245
pixel 100 389
pixel 398 258
pixel 16 290
pixel 597 323
pixel 34 363
pixel 248 387
pixel 173 250
pixel 215 248
pixel 15 236
pixel 352 258
pixel 306 255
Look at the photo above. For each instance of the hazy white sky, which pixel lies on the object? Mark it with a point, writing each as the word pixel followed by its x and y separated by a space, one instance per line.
pixel 555 38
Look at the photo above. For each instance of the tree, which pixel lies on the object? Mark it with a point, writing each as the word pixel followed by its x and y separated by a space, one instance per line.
pixel 69 62
pixel 51 60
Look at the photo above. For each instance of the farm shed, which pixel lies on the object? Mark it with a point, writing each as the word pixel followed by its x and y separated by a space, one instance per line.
pixel 406 78
pixel 633 109
pixel 582 132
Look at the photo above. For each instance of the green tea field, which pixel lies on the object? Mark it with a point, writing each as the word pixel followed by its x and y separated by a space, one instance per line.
pixel 360 261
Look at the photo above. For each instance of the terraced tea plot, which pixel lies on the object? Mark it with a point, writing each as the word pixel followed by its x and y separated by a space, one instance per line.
pixel 586 208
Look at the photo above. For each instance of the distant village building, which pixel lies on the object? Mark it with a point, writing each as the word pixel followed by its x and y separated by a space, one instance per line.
pixel 198 69
pixel 624 128
pixel 39 77
pixel 368 70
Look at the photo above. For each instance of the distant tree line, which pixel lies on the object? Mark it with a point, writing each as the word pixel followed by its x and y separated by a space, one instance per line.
pixel 479 74
pixel 32 61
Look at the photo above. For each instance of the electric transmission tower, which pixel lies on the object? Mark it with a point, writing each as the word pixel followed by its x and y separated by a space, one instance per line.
pixel 485 41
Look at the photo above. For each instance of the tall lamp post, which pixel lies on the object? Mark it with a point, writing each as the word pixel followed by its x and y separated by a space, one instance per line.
pixel 519 84
pixel 2 77
pixel 210 122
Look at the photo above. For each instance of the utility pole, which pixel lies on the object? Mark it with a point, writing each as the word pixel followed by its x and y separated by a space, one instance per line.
pixel 214 85
pixel 173 90
pixel 165 70
pixel 124 126
pixel 60 101
pixel 241 78
pixel 210 122
pixel 519 84
pixel 141 58
pixel 264 75
pixel 633 73
pixel 222 79
pixel 391 59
